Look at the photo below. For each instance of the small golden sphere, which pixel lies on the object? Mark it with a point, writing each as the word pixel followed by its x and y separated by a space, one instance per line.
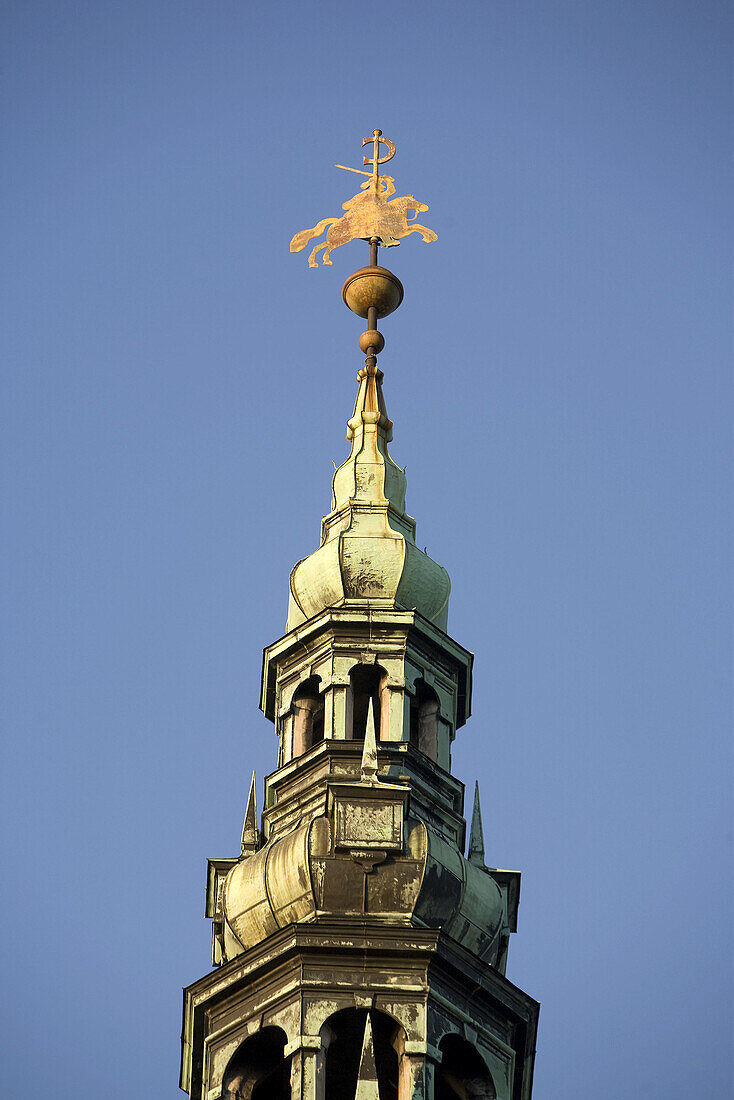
pixel 372 287
pixel 372 339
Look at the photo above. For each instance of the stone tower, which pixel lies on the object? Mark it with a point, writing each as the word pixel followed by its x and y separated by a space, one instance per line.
pixel 358 953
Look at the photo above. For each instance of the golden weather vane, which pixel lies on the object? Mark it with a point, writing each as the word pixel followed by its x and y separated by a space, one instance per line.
pixel 371 215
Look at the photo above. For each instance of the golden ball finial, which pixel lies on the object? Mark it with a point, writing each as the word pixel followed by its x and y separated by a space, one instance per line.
pixel 372 288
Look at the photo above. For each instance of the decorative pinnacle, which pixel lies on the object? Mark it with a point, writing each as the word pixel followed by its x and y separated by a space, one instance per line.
pixel 369 752
pixel 249 829
pixel 476 836
pixel 367 1087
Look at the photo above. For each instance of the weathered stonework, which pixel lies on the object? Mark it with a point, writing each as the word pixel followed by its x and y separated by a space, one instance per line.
pixel 306 973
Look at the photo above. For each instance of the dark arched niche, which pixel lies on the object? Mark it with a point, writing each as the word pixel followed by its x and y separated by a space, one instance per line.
pixel 343 1035
pixel 365 684
pixel 257 1070
pixel 463 1074
pixel 424 714
pixel 307 707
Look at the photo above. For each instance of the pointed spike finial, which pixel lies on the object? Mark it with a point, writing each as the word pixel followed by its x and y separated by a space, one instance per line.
pixel 367 1087
pixel 369 752
pixel 249 829
pixel 476 836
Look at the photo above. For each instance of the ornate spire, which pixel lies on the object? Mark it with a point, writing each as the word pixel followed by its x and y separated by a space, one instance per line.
pixel 355 904
pixel 476 835
pixel 368 552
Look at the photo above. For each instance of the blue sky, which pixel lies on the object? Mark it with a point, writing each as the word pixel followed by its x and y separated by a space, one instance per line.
pixel 176 388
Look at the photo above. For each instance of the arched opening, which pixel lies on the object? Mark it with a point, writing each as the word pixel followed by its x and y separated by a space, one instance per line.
pixel 365 686
pixel 424 714
pixel 343 1036
pixel 307 707
pixel 462 1074
pixel 257 1070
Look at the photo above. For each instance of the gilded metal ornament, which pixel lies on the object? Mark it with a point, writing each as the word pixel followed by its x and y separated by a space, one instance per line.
pixel 371 215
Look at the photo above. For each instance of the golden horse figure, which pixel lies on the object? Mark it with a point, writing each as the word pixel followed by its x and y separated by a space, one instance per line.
pixel 369 214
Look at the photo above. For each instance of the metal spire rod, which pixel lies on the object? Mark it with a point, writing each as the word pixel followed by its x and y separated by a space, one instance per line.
pixel 376 160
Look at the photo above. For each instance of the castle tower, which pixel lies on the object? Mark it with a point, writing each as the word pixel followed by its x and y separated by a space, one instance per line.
pixel 358 953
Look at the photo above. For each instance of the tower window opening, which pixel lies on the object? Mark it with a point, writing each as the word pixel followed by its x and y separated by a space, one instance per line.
pixel 462 1073
pixel 257 1070
pixel 424 714
pixel 307 707
pixel 345 1035
pixel 365 684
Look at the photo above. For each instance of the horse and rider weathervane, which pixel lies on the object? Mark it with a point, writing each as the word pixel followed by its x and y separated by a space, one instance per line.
pixel 372 212
pixel 371 215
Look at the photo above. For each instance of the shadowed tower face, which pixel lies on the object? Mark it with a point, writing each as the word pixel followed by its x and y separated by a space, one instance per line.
pixel 358 953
